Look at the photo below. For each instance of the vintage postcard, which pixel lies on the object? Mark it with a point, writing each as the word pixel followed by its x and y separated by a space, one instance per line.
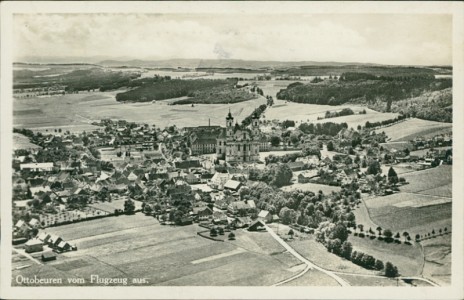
pixel 230 150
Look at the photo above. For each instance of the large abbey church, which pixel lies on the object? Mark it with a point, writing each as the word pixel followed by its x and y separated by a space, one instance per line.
pixel 237 143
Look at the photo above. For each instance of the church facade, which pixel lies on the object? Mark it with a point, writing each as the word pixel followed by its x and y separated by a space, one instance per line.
pixel 237 143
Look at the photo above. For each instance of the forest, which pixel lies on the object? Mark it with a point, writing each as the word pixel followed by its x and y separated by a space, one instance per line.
pixel 363 87
pixel 199 91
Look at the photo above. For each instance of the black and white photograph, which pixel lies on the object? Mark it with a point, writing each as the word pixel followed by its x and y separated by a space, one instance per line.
pixel 218 145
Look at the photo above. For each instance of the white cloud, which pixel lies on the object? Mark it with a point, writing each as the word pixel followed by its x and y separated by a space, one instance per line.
pixel 411 40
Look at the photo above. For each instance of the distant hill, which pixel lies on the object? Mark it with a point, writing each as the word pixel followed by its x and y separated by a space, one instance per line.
pixel 218 63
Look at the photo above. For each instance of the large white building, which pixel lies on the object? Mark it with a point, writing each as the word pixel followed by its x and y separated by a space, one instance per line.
pixel 237 143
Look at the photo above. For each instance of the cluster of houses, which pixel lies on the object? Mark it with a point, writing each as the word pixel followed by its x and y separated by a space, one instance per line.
pixel 126 160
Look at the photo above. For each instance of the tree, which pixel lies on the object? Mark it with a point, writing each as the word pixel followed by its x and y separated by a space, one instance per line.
pixel 129 206
pixel 379 229
pixel 417 237
pixel 330 146
pixel 346 249
pixel 275 141
pixel 391 270
pixel 291 233
pixel 392 176
pixel 213 232
pixel 287 215
pixel 374 168
pixel 244 191
pixel 282 175
pixel 231 236
pixel 388 233
pixel 379 265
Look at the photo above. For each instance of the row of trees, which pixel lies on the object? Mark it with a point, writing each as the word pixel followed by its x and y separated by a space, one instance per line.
pixel 259 111
pixel 369 125
pixel 334 237
pixel 327 128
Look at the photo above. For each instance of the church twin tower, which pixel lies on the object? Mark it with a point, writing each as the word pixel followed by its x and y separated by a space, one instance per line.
pixel 238 143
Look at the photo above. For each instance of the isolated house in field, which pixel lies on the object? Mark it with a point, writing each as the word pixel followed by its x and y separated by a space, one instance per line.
pixel 265 216
pixel 257 225
pixel 34 245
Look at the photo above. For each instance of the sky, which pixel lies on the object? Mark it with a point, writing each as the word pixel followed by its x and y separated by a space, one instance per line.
pixel 370 38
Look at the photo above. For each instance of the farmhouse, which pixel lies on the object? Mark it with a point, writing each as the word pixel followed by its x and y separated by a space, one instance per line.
pixel 48 256
pixel 257 225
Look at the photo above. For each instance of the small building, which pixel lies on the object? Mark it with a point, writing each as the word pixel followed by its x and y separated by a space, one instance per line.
pixel 305 177
pixel 219 217
pixel 48 256
pixel 64 246
pixel 44 237
pixel 257 225
pixel 265 216
pixel 34 245
pixel 34 223
pixel 296 166
pixel 203 213
pixel 233 185
pixel 37 167
pixel 22 226
pixel 54 241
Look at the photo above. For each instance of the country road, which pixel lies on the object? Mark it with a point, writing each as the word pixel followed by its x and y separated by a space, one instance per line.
pixel 309 264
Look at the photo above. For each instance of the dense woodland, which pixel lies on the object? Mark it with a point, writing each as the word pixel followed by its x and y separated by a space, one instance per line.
pixel 374 70
pixel 433 106
pixel 199 91
pixel 363 86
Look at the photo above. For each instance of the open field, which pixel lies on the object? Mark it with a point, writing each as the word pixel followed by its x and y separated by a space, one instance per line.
pixel 75 112
pixel 354 121
pixel 314 187
pixel 423 152
pixel 138 246
pixel 318 254
pixel 313 278
pixel 301 112
pixel 408 258
pixel 412 128
pixel 426 180
pixel 438 259
pixel 390 213
pixel 371 281
pixel 22 142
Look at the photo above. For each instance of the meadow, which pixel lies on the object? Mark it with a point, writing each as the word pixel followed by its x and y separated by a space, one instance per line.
pixel 138 246
pixel 76 112
pixel 411 128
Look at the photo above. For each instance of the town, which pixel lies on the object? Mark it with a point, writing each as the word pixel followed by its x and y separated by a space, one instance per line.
pixel 258 175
